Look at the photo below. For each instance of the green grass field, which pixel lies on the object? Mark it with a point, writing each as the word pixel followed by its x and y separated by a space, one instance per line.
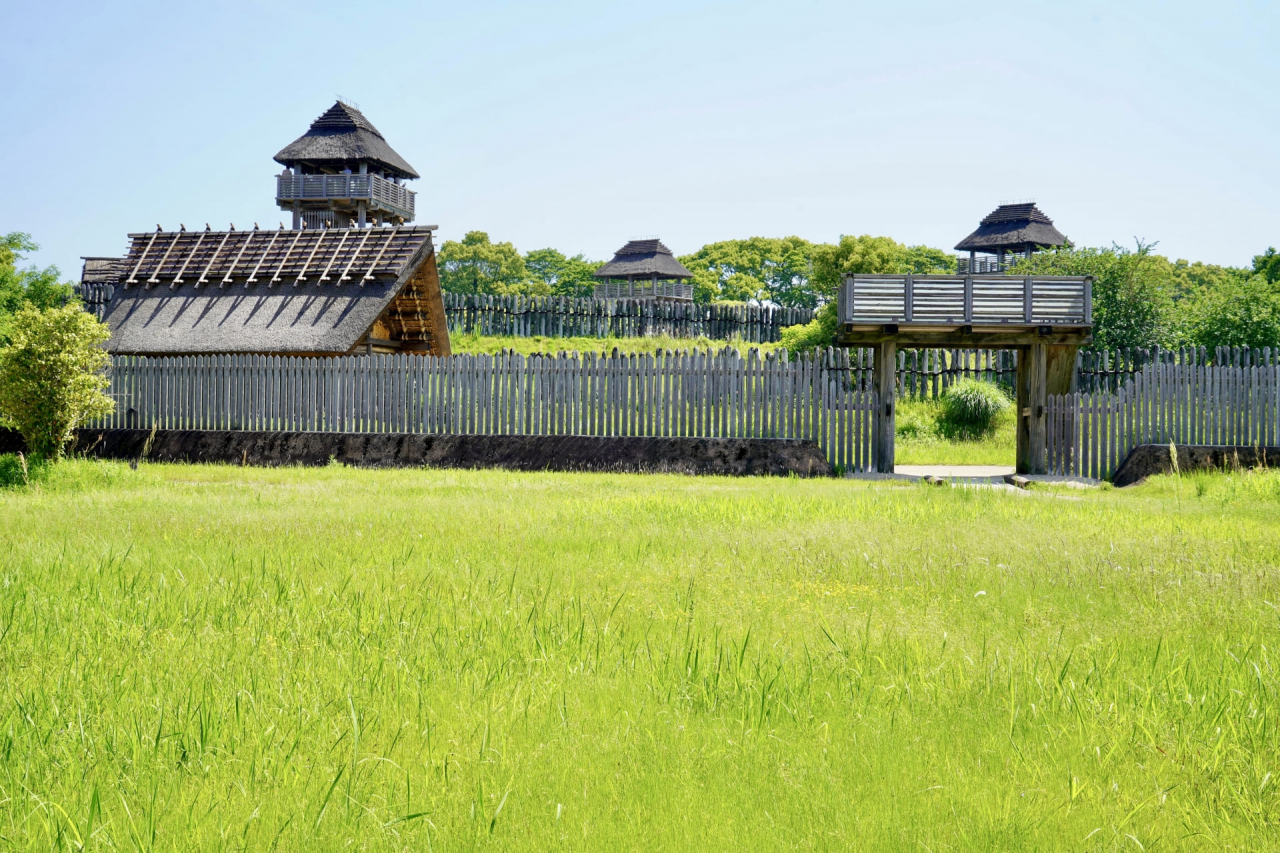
pixel 921 438
pixel 224 658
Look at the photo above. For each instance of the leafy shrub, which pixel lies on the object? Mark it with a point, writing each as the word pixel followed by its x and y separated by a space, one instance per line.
pixel 818 332
pixel 52 376
pixel 972 406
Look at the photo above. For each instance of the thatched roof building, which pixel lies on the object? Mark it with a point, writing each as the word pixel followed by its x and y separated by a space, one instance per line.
pixel 650 271
pixel 304 292
pixel 644 259
pixel 340 139
pixel 1013 227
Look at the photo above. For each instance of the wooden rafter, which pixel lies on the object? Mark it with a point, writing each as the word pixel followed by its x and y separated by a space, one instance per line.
pixel 246 258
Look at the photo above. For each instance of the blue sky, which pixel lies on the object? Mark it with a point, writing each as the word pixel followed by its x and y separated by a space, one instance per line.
pixel 580 125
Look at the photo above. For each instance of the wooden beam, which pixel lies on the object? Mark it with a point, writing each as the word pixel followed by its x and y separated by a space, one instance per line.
pixel 955 337
pixel 1060 369
pixel 884 376
pixel 1032 398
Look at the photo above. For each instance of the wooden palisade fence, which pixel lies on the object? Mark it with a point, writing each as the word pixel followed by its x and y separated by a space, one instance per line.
pixel 1089 435
pixel 565 317
pixel 723 394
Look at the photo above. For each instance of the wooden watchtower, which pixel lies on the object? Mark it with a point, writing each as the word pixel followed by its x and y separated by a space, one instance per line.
pixel 1046 319
pixel 1010 231
pixel 644 269
pixel 342 172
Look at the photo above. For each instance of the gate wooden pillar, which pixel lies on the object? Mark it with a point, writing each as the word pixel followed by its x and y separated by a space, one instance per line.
pixel 1060 369
pixel 884 383
pixel 1032 387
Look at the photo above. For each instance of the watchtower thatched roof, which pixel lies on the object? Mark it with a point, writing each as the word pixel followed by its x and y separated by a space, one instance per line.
pixel 286 292
pixel 644 259
pixel 341 138
pixel 1013 227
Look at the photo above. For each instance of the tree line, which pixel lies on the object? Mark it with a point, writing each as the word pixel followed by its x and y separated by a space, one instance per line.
pixel 787 271
pixel 1140 298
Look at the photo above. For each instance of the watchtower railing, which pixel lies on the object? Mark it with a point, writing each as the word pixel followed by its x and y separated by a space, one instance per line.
pixel 644 290
pixel 371 188
pixel 985 266
pixel 966 300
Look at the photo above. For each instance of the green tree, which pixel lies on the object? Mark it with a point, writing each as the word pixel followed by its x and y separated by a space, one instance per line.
pixel 52 375
pixel 925 260
pixel 476 265
pixel 872 255
pixel 1132 291
pixel 775 269
pixel 42 288
pixel 1190 278
pixel 550 271
pixel 1242 312
pixel 1268 265
pixel 865 254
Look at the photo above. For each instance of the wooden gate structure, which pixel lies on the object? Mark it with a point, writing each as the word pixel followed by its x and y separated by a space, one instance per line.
pixel 1045 318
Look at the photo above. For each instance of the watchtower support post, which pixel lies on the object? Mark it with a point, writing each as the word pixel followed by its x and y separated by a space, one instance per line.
pixel 1032 382
pixel 884 382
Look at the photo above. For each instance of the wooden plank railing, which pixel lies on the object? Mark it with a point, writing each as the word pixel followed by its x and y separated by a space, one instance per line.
pixel 1089 435
pixel 644 290
pixel 722 394
pixel 352 187
pixel 966 300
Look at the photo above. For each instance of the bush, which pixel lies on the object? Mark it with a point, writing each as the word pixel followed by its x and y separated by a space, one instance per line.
pixel 972 406
pixel 817 333
pixel 52 376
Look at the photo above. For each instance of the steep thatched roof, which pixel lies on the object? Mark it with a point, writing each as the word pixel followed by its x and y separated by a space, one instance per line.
pixel 340 139
pixel 1012 226
pixel 257 291
pixel 643 259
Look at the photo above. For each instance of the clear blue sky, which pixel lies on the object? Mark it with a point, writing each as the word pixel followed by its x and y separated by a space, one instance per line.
pixel 579 125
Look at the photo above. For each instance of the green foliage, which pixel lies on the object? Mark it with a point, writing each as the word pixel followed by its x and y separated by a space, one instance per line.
pixel 872 255
pixel 41 288
pixel 475 265
pixel 865 254
pixel 550 271
pixel 1242 312
pixel 1132 292
pixel 972 406
pixel 756 269
pixel 1268 265
pixel 52 375
pixel 927 436
pixel 923 260
pixel 1188 279
pixel 818 332
pixel 17 470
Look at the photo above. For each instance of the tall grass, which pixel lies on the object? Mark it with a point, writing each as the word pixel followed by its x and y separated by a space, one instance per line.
pixel 924 436
pixel 223 658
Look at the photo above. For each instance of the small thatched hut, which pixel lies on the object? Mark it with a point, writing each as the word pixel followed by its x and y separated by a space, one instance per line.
pixel 1017 229
pixel 649 270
